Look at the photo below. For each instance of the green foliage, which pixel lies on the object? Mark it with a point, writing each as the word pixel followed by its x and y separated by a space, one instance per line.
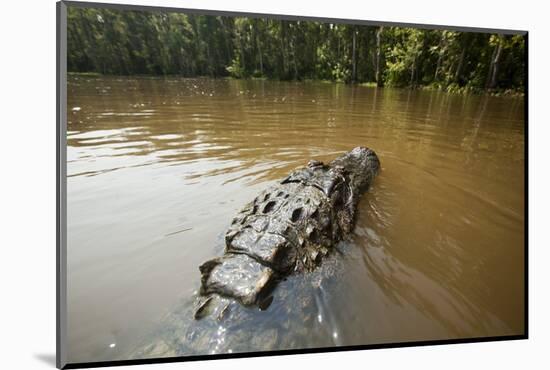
pixel 236 69
pixel 155 43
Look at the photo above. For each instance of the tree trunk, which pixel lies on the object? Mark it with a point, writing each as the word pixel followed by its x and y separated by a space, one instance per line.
pixel 413 72
pixel 493 71
pixel 283 50
pixel 354 60
pixel 439 57
pixel 293 46
pixel 209 58
pixel 258 42
pixel 243 62
pixel 227 41
pixel 460 63
pixel 438 65
pixel 378 77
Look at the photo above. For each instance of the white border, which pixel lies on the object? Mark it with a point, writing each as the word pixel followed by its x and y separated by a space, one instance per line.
pixel 28 181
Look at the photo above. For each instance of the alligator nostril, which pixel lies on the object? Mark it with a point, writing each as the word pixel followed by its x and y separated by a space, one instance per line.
pixel 296 214
pixel 268 207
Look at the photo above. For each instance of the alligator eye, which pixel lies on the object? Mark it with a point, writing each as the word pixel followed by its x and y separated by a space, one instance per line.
pixel 280 194
pixel 266 197
pixel 296 214
pixel 268 207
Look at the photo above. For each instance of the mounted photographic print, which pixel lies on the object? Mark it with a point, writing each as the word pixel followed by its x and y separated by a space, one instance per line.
pixel 235 184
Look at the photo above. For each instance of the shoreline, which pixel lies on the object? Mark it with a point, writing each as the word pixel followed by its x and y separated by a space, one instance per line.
pixel 455 90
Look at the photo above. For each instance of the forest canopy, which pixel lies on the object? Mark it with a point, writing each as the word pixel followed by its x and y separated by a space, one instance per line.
pixel 121 42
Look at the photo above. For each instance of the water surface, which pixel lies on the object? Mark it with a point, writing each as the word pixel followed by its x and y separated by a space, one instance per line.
pixel 158 167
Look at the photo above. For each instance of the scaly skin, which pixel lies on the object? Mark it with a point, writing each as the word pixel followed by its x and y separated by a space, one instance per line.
pixel 287 228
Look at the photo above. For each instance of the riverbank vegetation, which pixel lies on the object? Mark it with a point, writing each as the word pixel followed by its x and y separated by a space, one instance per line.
pixel 155 43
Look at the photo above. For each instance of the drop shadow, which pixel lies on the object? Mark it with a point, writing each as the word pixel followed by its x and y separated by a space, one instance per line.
pixel 47 358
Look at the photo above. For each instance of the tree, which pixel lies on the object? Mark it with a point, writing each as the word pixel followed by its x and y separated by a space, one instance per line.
pixel 157 43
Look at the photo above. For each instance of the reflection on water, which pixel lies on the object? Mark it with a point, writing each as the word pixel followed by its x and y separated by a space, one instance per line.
pixel 157 168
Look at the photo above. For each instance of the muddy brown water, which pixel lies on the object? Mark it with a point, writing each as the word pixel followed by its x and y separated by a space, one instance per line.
pixel 157 168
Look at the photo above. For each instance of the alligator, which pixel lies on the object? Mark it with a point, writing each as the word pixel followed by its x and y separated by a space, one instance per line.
pixel 288 228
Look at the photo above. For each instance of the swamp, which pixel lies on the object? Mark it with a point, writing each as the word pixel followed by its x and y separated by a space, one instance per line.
pixel 175 121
